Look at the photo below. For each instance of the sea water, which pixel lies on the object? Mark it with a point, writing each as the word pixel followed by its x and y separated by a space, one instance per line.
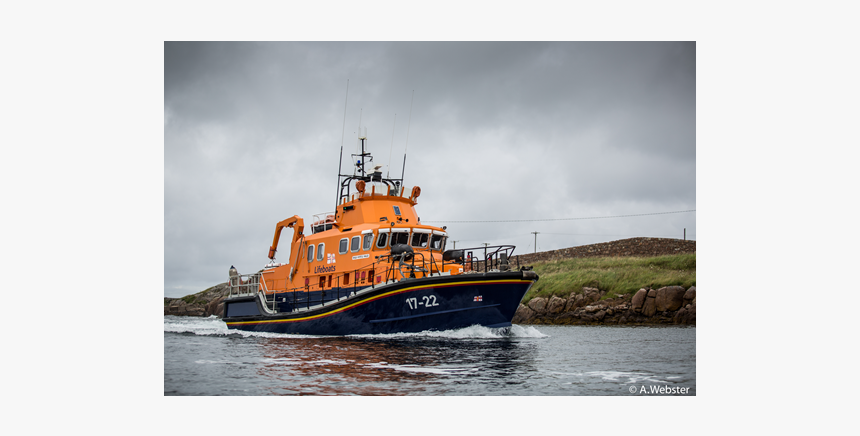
pixel 203 357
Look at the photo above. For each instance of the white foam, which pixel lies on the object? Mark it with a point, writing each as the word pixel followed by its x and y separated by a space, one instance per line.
pixel 214 326
pixel 633 378
pixel 471 332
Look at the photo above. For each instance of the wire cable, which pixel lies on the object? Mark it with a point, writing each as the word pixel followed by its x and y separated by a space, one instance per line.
pixel 563 219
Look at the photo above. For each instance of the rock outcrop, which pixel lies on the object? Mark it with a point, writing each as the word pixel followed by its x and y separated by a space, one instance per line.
pixel 667 305
pixel 204 303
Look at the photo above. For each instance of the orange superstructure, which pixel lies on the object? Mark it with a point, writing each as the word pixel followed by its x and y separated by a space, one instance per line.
pixel 352 246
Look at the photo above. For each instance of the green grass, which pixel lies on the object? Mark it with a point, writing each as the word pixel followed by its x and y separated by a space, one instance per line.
pixel 615 275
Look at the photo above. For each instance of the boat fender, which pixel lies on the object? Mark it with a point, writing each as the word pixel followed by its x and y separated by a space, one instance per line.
pixel 402 252
pixel 359 186
pixel 455 255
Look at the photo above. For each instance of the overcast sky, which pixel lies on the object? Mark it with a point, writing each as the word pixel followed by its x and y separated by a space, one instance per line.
pixel 497 131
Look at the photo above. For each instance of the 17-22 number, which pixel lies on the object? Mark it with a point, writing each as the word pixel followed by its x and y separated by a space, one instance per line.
pixel 428 301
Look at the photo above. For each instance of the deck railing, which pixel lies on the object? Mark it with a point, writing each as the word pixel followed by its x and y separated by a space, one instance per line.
pixel 411 265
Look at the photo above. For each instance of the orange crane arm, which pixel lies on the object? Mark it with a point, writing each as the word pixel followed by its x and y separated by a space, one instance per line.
pixel 289 222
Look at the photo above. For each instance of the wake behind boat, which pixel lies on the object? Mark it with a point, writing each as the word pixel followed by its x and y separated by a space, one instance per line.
pixel 372 267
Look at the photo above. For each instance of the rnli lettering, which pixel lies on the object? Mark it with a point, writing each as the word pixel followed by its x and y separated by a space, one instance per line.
pixel 323 269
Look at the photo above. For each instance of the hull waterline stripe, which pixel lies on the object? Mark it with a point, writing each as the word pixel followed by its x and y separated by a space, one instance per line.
pixel 368 300
pixel 432 313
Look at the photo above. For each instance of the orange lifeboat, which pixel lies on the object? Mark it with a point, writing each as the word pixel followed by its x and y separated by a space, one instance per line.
pixel 371 266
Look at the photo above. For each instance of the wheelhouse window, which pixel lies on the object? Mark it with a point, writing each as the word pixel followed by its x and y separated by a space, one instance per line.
pixel 419 239
pixel 382 240
pixel 354 244
pixel 399 238
pixel 344 243
pixel 310 253
pixel 321 252
pixel 368 241
pixel 437 242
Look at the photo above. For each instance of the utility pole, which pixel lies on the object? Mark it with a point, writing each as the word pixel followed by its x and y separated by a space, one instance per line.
pixel 535 233
pixel 455 244
pixel 685 233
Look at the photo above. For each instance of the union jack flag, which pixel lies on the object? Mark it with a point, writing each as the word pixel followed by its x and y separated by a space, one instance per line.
pixel 479 298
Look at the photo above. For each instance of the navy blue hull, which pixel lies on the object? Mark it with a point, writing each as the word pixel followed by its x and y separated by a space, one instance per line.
pixel 435 303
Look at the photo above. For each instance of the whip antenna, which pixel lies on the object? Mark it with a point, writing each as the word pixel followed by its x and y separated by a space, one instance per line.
pixel 360 112
pixel 340 161
pixel 392 147
pixel 343 132
pixel 402 172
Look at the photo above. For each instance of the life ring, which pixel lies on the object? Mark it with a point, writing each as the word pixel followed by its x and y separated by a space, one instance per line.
pixel 416 191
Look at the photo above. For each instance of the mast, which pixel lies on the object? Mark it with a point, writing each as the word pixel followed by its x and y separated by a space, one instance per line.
pixel 361 158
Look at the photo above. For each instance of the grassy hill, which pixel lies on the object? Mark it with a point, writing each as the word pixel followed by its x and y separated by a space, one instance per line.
pixel 616 275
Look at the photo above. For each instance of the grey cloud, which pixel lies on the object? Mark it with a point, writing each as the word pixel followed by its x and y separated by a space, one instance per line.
pixel 498 131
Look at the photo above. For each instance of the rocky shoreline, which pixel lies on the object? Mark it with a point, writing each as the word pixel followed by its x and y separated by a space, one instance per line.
pixel 205 303
pixel 667 305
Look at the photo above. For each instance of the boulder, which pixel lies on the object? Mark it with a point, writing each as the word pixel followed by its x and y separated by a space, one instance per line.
pixel 670 298
pixel 680 317
pixel 591 294
pixel 576 301
pixel 690 317
pixel 639 300
pixel 570 304
pixel 690 294
pixel 650 306
pixel 555 305
pixel 538 304
pixel 523 315
pixel 600 315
